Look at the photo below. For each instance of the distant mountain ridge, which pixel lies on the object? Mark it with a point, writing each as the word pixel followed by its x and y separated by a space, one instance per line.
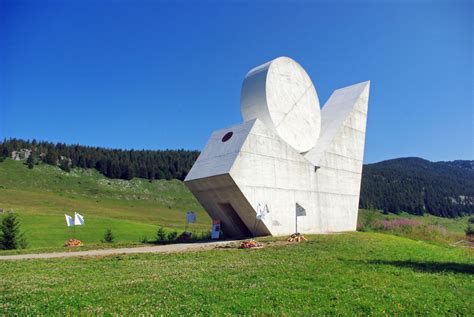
pixel 460 164
pixel 418 186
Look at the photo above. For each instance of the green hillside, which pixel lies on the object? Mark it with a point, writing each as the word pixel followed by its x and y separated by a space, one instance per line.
pixel 419 187
pixel 132 209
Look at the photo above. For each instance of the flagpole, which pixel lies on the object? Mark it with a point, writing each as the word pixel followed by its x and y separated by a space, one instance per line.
pixel 296 222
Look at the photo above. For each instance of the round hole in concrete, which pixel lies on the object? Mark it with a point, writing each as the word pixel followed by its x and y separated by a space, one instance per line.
pixel 227 136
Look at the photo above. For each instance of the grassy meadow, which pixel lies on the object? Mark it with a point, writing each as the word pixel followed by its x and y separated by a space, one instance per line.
pixel 131 209
pixel 413 271
pixel 341 274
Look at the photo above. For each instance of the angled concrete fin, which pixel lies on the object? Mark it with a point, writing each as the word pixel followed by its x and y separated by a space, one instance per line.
pixel 341 110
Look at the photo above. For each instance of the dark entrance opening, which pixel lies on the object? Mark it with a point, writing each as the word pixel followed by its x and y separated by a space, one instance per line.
pixel 236 229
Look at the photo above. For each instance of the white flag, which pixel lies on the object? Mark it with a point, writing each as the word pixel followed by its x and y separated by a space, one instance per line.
pixel 261 211
pixel 300 211
pixel 190 217
pixel 69 220
pixel 78 219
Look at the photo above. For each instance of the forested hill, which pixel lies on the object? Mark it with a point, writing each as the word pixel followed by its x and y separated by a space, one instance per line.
pixel 124 164
pixel 419 186
pixel 413 185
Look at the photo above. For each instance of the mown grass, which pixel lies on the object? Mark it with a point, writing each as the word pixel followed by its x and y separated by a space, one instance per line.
pixel 131 209
pixel 344 274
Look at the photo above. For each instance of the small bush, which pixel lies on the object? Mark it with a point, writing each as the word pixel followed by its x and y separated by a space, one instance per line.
pixel 161 235
pixel 172 235
pixel 206 235
pixel 367 222
pixel 10 237
pixel 30 161
pixel 144 240
pixel 469 231
pixel 471 220
pixel 108 236
pixel 64 165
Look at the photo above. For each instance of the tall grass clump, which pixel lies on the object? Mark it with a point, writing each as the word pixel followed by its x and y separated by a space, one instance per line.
pixel 414 229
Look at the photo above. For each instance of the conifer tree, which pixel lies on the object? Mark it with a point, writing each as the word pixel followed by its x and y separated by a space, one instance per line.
pixel 10 235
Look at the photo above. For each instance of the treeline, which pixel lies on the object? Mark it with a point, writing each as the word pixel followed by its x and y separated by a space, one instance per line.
pixel 413 185
pixel 124 164
pixel 418 186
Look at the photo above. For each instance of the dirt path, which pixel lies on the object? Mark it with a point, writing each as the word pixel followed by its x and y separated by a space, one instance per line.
pixel 181 247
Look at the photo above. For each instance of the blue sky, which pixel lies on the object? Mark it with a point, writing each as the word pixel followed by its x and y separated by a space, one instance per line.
pixel 156 75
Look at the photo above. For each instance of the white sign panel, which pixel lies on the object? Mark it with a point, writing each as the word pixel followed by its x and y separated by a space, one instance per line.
pixel 216 230
pixel 191 217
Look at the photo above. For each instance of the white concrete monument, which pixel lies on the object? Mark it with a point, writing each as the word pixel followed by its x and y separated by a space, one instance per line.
pixel 288 152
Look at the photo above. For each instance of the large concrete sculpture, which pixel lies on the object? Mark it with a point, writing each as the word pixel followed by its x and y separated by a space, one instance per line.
pixel 287 151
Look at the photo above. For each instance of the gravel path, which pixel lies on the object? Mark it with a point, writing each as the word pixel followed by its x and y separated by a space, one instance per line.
pixel 181 247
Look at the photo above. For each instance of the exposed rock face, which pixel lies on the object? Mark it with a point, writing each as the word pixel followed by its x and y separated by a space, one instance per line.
pixel 21 155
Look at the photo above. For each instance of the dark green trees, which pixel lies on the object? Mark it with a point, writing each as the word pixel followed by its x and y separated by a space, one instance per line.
pixel 10 235
pixel 51 157
pixel 108 236
pixel 30 161
pixel 418 186
pixel 124 164
pixel 64 165
pixel 161 235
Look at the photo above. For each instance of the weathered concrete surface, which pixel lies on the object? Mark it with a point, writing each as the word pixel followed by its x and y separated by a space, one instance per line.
pixel 256 165
pixel 281 94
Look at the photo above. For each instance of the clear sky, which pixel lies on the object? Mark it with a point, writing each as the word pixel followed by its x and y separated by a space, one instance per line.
pixel 156 74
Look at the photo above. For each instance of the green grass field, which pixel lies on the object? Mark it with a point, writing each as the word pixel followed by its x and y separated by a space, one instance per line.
pixel 132 209
pixel 343 274
pixel 364 273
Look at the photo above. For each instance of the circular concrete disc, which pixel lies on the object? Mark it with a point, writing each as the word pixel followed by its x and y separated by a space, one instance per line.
pixel 281 94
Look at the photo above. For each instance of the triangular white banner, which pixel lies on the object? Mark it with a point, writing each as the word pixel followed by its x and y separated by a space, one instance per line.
pixel 78 219
pixel 300 211
pixel 261 211
pixel 69 220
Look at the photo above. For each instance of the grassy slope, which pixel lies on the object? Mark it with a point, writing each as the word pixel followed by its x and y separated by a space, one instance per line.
pixel 131 209
pixel 453 225
pixel 346 274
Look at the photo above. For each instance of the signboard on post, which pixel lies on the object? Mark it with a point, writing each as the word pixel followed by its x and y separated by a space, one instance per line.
pixel 216 229
pixel 191 217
